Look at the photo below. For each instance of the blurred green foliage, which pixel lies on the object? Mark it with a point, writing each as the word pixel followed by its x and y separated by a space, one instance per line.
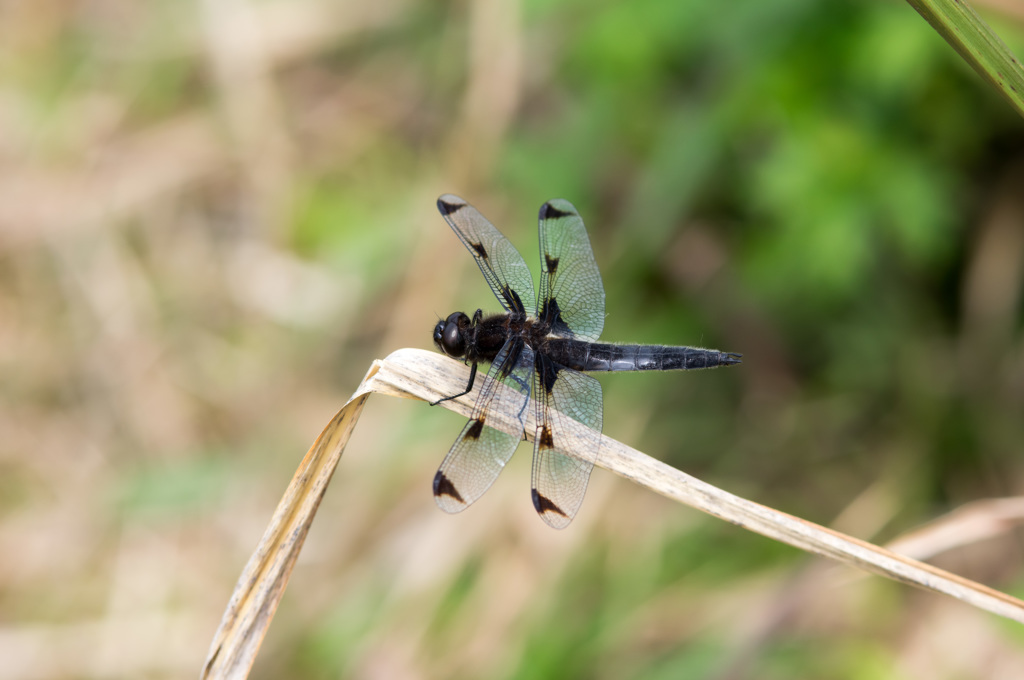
pixel 840 152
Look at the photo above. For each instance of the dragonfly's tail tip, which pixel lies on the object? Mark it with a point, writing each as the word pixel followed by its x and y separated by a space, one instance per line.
pixel 732 358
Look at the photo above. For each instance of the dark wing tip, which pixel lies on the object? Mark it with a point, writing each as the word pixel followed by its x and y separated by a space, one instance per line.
pixel 544 505
pixel 449 203
pixel 555 208
pixel 444 487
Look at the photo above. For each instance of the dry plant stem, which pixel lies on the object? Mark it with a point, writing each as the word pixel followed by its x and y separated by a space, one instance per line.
pixel 970 523
pixel 262 582
pixel 420 374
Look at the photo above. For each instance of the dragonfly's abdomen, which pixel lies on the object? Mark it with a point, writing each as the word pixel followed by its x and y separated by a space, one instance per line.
pixel 587 356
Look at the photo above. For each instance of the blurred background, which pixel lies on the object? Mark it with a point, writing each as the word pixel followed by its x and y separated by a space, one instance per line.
pixel 215 215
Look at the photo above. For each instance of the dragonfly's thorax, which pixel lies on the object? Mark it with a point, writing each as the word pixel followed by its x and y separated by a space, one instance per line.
pixel 491 333
pixel 481 338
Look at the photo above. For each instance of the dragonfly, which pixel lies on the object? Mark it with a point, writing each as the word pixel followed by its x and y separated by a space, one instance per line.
pixel 540 347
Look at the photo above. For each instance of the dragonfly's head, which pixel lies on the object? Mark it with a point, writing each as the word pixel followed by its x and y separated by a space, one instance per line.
pixel 450 334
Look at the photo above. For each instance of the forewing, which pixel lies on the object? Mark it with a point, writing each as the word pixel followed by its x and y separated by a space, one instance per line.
pixel 559 480
pixel 480 453
pixel 571 292
pixel 502 265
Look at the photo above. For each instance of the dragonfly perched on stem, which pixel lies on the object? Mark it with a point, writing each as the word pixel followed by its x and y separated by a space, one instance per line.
pixel 542 347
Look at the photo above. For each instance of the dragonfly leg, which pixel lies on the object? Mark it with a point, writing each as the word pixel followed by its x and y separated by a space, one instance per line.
pixel 469 387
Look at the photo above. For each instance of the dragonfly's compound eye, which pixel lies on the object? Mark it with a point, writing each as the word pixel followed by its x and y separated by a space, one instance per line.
pixel 452 342
pixel 448 334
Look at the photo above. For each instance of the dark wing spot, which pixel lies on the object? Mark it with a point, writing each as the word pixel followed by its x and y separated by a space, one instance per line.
pixel 545 440
pixel 474 431
pixel 548 211
pixel 479 248
pixel 552 263
pixel 551 314
pixel 449 208
pixel 543 504
pixel 512 360
pixel 547 372
pixel 515 302
pixel 444 487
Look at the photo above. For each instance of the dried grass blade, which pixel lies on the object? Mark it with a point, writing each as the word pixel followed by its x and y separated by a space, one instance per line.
pixel 412 373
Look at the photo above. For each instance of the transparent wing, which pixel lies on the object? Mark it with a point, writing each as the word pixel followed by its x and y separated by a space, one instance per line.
pixel 571 292
pixel 502 265
pixel 560 481
pixel 479 454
